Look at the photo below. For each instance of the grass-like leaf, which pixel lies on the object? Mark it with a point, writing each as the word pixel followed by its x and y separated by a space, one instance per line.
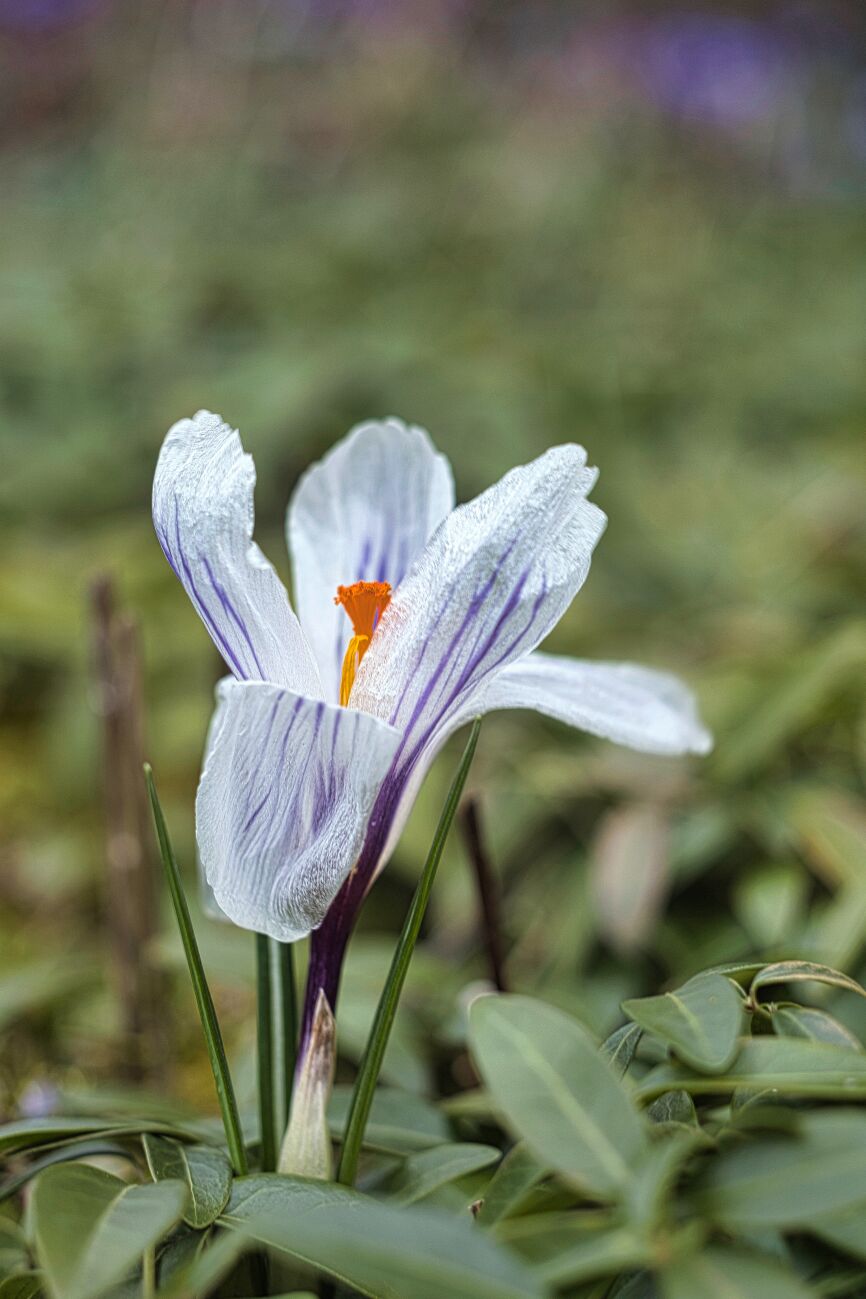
pixel 265 1045
pixel 285 1027
pixel 365 1085
pixel 201 991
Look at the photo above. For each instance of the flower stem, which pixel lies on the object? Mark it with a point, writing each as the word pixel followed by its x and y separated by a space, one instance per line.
pixel 365 1084
pixel 204 1001
pixel 264 1033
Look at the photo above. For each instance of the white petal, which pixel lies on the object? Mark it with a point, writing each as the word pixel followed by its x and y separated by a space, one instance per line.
pixel 492 582
pixel 639 707
pixel 203 515
pixel 631 705
pixel 364 513
pixel 284 802
pixel 209 904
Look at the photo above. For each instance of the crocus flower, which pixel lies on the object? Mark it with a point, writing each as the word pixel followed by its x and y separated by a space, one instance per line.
pixel 413 618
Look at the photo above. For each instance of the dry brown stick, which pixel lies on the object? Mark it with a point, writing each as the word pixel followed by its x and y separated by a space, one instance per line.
pixel 488 889
pixel 130 887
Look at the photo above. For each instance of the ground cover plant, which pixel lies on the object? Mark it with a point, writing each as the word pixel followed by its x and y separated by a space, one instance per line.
pixel 712 1142
pixel 521 226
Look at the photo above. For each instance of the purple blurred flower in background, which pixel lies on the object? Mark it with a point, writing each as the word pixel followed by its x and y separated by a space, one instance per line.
pixel 43 15
pixel 714 66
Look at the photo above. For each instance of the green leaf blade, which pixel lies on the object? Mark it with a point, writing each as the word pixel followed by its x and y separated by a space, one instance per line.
pixel 382 1251
pixel 426 1171
pixel 201 991
pixel 91 1229
pixel 371 1064
pixel 815 1025
pixel 515 1177
pixel 791 1066
pixel 206 1173
pixel 701 1022
pixel 804 972
pixel 557 1091
pixel 789 1180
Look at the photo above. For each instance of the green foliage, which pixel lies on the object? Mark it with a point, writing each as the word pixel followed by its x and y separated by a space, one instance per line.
pixel 346 224
pixel 201 990
pixel 377 1249
pixel 635 1171
pixel 561 1097
pixel 90 1229
pixel 701 1022
pixel 386 1010
pixel 206 1172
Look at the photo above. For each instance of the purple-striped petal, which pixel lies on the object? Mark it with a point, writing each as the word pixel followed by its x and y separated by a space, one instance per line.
pixel 364 513
pixel 631 705
pixel 203 515
pixel 283 804
pixel 492 582
pixel 638 707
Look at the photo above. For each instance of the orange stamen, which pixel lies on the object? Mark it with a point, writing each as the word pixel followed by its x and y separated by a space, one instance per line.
pixel 364 602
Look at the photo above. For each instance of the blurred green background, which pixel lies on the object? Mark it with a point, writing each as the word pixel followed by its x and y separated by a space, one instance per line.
pixel 641 227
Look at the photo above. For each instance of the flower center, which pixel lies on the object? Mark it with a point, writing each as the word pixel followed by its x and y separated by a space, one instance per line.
pixel 364 602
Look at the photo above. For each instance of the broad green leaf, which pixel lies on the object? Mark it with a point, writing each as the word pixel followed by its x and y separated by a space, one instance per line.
pixel 518 1173
pixel 803 972
pixel 25 1285
pixel 399 1121
pixel 26 1134
pixel 193 1276
pixel 262 1194
pixel 817 1025
pixel 384 1251
pixel 788 1181
pixel 81 1149
pixel 793 1066
pixel 701 1021
pixel 601 1254
pixel 620 1047
pixel 206 1172
pixel 718 1273
pixel 425 1172
pixel 556 1090
pixel 90 1229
